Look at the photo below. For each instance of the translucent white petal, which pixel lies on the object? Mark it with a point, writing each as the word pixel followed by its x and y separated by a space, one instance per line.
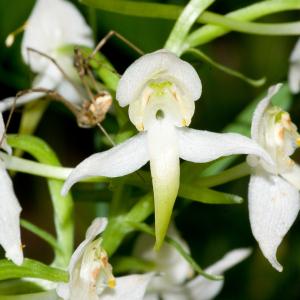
pixel 201 288
pixel 153 65
pixel 131 287
pixel 10 210
pixel 293 176
pixel 4 144
pixel 294 77
pixel 48 28
pixel 121 160
pixel 164 165
pixel 260 109
pixel 64 289
pixel 168 261
pixel 273 208
pixel 203 146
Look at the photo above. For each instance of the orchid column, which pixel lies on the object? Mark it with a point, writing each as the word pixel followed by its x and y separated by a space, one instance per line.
pixel 160 90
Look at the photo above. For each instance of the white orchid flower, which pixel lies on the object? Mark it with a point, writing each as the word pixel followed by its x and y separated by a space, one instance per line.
pixel 273 190
pixel 10 209
pixel 91 275
pixel 160 90
pixel 175 282
pixel 50 28
pixel 294 71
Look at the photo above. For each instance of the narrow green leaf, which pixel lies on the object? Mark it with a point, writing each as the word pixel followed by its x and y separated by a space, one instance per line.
pixel 205 195
pixel 202 56
pixel 33 269
pixel 44 235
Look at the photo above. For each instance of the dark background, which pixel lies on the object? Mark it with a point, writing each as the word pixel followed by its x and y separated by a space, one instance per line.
pixel 210 231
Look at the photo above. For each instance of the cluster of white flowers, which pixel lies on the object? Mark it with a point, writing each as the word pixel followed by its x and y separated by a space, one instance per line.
pixel 160 90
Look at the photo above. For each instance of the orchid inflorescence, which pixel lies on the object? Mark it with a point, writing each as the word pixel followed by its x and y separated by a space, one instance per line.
pixel 153 103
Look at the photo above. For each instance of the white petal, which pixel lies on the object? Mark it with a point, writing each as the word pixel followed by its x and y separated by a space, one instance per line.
pixel 121 160
pixel 10 210
pixel 4 144
pixel 164 165
pixel 98 226
pixel 150 66
pixel 294 77
pixel 273 208
pixel 203 146
pixel 260 110
pixel 131 287
pixel 201 288
pixel 168 261
pixel 52 26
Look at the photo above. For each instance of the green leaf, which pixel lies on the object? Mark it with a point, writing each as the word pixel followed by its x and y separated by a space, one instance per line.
pixel 44 235
pixel 200 55
pixel 185 21
pixel 18 286
pixel 33 269
pixel 63 206
pixel 205 195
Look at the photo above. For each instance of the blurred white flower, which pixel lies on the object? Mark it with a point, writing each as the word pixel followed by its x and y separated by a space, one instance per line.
pixel 294 71
pixel 91 275
pixel 274 189
pixel 10 209
pixel 160 90
pixel 175 281
pixel 50 29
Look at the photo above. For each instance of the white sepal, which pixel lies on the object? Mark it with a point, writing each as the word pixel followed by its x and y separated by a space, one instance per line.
pixel 4 144
pixel 10 210
pixel 159 64
pixel 203 146
pixel 121 160
pixel 273 208
pixel 50 27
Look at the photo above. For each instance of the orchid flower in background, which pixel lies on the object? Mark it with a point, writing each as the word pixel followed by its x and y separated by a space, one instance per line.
pixel 50 29
pixel 175 282
pixel 91 275
pixel 160 90
pixel 294 71
pixel 274 189
pixel 10 209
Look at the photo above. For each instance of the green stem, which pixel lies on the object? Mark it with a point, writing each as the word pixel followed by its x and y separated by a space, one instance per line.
pixel 199 54
pixel 184 23
pixel 44 170
pixel 44 235
pixel 63 206
pixel 209 32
